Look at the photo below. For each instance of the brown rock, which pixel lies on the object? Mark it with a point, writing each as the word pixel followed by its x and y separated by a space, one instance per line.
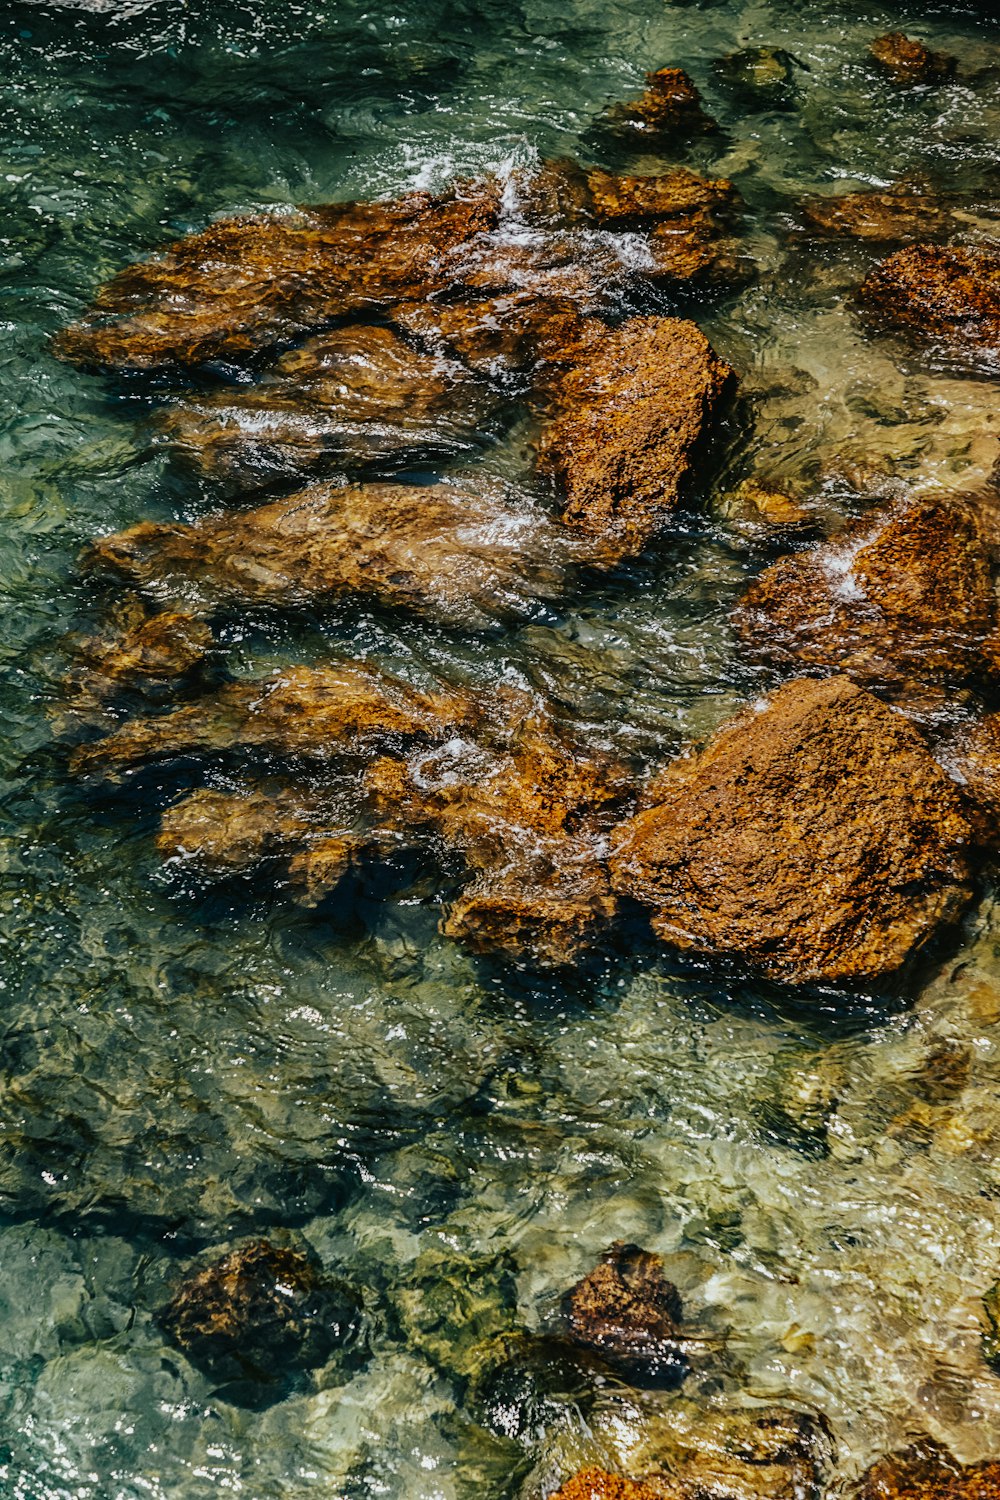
pixel 527 815
pixel 627 1312
pixel 460 557
pixel 640 202
pixel 598 1484
pixel 149 653
pixel 519 333
pixel 353 397
pixel 909 61
pixel 312 713
pixel 927 1472
pixel 905 597
pixel 901 215
pixel 947 294
pixel 243 286
pixel 763 506
pixel 814 837
pixel 974 758
pixel 628 420
pixel 762 1453
pixel 670 107
pixel 258 1311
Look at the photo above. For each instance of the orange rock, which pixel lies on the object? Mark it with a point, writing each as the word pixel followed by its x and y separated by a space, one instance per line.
pixel 814 837
pixel 149 653
pixel 598 1484
pixel 938 292
pixel 671 106
pixel 909 61
pixel 629 417
pixel 927 1472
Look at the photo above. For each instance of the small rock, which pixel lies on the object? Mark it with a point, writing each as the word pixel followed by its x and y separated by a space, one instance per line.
pixel 627 1313
pixel 142 652
pixel 670 108
pixel 759 77
pixel 928 1472
pixel 763 507
pixel 908 61
pixel 991 1339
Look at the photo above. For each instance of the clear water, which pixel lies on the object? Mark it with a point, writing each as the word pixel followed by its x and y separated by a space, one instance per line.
pixel 180 1068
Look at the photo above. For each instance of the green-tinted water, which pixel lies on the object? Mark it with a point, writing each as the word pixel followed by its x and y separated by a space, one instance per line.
pixel 180 1068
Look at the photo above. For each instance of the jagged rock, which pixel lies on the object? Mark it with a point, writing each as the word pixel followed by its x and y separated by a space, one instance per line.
pixel 927 1472
pixel 465 558
pixel 943 293
pixel 627 1313
pixel 670 107
pixel 244 286
pixel 629 417
pixel 528 817
pixel 900 215
pixel 519 333
pixel 763 1453
pixel 351 398
pixel 260 1311
pixel 898 600
pixel 813 837
pixel 597 1484
pixel 148 653
pixel 909 61
pixel 759 77
pixel 312 713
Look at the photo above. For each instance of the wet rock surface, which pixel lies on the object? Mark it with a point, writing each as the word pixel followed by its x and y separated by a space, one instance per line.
pixel 154 654
pixel 945 293
pixel 627 1313
pixel 908 61
pixel 762 1453
pixel 820 778
pixel 897 600
pixel 927 1472
pixel 629 418
pixel 901 215
pixel 669 108
pixel 259 1313
pixel 598 1484
pixel 464 557
pixel 760 77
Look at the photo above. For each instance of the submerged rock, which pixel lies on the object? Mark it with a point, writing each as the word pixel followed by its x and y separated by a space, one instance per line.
pixel 243 286
pixel 597 1484
pixel 351 398
pixel 900 215
pixel 814 837
pixel 312 713
pixel 153 654
pixel 991 1338
pixel 670 108
pixel 944 293
pixel 629 418
pixel 909 61
pixel 759 77
pixel 897 600
pixel 763 507
pixel 627 1312
pixel 465 558
pixel 259 1312
pixel 457 1310
pixel 515 334
pixel 762 1453
pixel 927 1472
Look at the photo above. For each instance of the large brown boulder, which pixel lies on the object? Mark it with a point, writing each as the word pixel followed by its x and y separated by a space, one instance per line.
pixel 927 1472
pixel 898 600
pixel 629 418
pixel 626 1312
pixel 462 557
pixel 944 293
pixel 260 1311
pixel 814 837
pixel 309 713
pixel 350 398
pixel 908 61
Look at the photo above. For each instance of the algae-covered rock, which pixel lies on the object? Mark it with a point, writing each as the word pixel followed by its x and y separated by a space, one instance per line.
pixel 260 1312
pixel 759 78
pixel 948 294
pixel 351 398
pixel 898 600
pixel 669 108
pixel 457 1310
pixel 908 61
pixel 814 837
pixel 928 1472
pixel 465 557
pixel 751 1453
pixel 627 1312
pixel 629 418
pixel 312 713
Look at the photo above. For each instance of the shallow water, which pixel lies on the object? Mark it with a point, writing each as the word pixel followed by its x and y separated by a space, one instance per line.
pixel 181 1067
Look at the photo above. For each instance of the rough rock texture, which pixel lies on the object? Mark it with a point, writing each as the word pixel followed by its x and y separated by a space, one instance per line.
pixel 313 713
pixel 900 215
pixel 909 61
pixel 351 398
pixel 628 420
pixel 464 558
pixel 244 285
pixel 927 1472
pixel 762 1453
pixel 897 600
pixel 257 1311
pixel 938 292
pixel 670 107
pixel 149 653
pixel 528 816
pixel 518 333
pixel 627 1312
pixel 759 77
pixel 814 837
pixel 598 1484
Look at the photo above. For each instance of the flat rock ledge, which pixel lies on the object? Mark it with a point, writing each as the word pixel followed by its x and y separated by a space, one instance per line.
pixel 814 837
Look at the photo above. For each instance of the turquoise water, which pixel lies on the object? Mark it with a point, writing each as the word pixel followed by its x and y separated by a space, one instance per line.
pixel 182 1067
